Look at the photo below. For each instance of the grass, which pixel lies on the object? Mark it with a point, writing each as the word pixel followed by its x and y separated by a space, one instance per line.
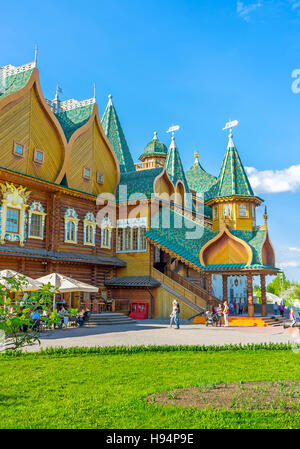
pixel 110 390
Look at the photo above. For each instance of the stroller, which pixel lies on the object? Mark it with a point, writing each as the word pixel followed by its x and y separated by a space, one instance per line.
pixel 211 319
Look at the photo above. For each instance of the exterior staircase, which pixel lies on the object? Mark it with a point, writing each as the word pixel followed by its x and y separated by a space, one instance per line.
pixel 108 319
pixel 190 294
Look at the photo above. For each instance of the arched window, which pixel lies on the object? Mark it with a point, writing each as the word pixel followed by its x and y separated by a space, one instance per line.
pixel 89 226
pixel 71 226
pixel 106 231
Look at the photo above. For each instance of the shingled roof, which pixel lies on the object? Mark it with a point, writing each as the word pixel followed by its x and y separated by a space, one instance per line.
pixel 16 81
pixel 174 165
pixel 133 281
pixel 198 179
pixel 139 184
pixel 114 132
pixel 185 238
pixel 74 118
pixel 232 180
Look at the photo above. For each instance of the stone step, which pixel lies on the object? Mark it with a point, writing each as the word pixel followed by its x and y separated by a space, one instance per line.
pixel 108 318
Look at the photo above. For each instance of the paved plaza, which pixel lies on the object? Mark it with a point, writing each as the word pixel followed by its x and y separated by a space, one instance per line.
pixel 158 332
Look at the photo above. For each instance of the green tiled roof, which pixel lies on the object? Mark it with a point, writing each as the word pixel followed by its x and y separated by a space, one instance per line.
pixel 14 83
pixel 178 237
pixel 155 147
pixel 232 180
pixel 74 119
pixel 115 135
pixel 186 238
pixel 139 183
pixel 237 266
pixel 198 179
pixel 174 166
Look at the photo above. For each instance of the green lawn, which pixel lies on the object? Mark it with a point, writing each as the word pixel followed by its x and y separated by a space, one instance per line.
pixel 108 391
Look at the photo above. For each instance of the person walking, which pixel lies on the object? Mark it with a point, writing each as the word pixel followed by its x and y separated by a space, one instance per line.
pixel 292 317
pixel 219 314
pixel 173 313
pixel 281 309
pixel 234 307
pixel 241 306
pixel 177 315
pixel 225 313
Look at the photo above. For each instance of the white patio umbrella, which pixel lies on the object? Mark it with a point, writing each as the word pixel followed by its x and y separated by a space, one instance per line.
pixel 65 284
pixel 28 284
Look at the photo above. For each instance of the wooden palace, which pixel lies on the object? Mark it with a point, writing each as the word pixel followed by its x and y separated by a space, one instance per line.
pixel 74 202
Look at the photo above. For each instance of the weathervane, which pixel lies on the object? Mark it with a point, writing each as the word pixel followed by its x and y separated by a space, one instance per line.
pixel 172 130
pixel 229 125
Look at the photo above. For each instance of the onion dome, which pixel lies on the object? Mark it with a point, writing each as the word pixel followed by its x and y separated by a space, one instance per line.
pixel 154 148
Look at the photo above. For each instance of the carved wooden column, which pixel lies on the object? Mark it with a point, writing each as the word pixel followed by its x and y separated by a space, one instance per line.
pixel 264 311
pixel 209 291
pixel 250 295
pixel 225 287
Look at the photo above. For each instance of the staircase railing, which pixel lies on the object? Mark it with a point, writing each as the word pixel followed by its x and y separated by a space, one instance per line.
pixel 179 289
pixel 197 290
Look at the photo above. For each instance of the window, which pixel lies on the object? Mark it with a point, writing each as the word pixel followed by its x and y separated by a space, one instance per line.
pixel 130 234
pixel 38 156
pixel 13 213
pixel 89 224
pixel 253 211
pixel 70 231
pixel 19 149
pixel 12 220
pixel 215 211
pixel 106 232
pixel 227 210
pixel 86 173
pixel 243 211
pixel 71 226
pixel 99 177
pixel 36 222
pixel 89 234
pixel 36 225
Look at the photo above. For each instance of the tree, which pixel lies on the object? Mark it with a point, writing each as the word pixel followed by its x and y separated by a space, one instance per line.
pixel 257 292
pixel 278 285
pixel 20 317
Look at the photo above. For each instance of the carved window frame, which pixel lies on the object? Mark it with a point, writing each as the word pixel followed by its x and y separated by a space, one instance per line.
pixel 89 221
pixel 106 233
pixel 71 218
pixel 36 208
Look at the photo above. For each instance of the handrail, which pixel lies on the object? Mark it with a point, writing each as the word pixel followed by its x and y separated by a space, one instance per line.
pixel 180 289
pixel 199 291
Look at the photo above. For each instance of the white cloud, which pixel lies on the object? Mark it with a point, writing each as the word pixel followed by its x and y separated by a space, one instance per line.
pixel 244 10
pixel 274 181
pixel 295 249
pixel 289 264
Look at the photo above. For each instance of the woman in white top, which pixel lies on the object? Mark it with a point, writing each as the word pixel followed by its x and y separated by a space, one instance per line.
pixel 173 313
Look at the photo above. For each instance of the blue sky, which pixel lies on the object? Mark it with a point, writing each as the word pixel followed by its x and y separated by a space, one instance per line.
pixel 195 63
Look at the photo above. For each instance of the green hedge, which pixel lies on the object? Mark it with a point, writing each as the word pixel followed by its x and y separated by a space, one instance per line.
pixel 110 350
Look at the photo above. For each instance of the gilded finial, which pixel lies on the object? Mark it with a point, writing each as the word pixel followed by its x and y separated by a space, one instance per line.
pixel 196 155
pixel 266 218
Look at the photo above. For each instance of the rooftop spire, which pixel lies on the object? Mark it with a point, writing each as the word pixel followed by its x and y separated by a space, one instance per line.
pixel 196 155
pixel 35 55
pixel 94 91
pixel 155 136
pixel 114 132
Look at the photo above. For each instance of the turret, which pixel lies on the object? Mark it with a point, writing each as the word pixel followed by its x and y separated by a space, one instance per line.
pixel 232 198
